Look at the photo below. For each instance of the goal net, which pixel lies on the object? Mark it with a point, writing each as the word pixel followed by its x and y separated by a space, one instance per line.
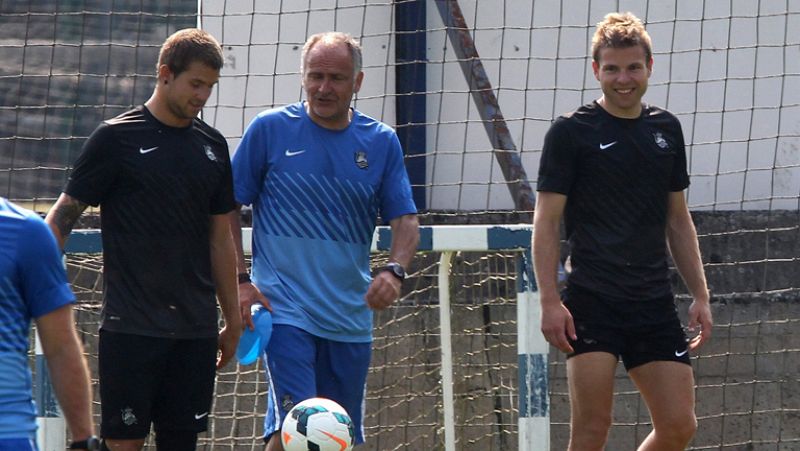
pixel 471 88
pixel 747 379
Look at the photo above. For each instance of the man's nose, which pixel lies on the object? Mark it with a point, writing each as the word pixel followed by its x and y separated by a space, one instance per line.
pixel 325 86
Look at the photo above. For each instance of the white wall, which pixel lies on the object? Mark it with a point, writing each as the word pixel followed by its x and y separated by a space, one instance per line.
pixel 729 71
pixel 262 45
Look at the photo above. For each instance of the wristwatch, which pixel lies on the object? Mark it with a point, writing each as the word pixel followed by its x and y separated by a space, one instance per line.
pixel 90 444
pixel 396 269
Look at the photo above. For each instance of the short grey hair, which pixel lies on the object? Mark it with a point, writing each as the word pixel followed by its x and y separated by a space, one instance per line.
pixel 333 37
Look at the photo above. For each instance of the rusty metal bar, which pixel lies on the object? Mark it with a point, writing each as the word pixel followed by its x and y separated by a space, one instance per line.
pixel 480 87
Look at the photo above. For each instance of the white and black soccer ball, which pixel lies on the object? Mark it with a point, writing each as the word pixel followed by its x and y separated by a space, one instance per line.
pixel 318 424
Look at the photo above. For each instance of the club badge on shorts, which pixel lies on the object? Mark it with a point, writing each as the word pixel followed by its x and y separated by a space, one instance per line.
pixel 361 159
pixel 128 417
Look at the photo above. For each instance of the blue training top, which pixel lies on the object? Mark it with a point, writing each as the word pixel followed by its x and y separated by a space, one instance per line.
pixel 33 283
pixel 316 194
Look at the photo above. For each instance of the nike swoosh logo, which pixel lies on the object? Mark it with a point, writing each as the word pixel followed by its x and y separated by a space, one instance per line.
pixel 197 417
pixel 680 354
pixel 606 146
pixel 338 440
pixel 290 153
pixel 144 151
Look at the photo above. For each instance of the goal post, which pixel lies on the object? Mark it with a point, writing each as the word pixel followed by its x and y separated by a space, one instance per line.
pixel 531 387
pixel 508 392
pixel 532 348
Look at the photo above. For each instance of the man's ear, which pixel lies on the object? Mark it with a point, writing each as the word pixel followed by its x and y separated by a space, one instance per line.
pixel 596 69
pixel 164 73
pixel 359 79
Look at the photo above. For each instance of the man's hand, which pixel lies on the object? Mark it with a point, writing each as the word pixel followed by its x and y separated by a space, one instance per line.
pixel 700 315
pixel 557 326
pixel 227 341
pixel 383 291
pixel 249 294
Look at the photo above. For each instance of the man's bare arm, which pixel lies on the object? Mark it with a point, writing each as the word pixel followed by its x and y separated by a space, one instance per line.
pixel 63 215
pixel 68 371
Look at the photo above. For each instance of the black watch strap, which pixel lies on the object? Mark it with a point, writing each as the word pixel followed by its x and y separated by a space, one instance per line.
pixel 395 269
pixel 91 443
pixel 244 277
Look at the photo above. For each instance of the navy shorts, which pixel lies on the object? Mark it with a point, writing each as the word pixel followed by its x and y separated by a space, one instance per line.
pixel 639 332
pixel 302 366
pixel 164 381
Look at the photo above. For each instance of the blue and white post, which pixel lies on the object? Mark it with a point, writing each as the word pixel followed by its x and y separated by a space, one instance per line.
pixel 532 350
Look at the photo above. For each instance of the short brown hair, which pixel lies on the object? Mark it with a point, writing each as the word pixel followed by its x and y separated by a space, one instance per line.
pixel 186 46
pixel 333 37
pixel 621 30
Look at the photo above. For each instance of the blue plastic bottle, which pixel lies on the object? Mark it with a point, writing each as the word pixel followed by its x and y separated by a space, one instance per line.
pixel 253 342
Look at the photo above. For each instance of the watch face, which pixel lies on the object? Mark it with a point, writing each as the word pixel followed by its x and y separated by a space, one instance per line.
pixel 397 270
pixel 93 444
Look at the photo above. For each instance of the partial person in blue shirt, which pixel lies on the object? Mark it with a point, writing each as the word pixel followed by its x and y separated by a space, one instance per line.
pixel 33 285
pixel 318 173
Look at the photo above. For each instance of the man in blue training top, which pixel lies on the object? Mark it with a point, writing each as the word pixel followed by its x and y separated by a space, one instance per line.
pixel 33 284
pixel 317 174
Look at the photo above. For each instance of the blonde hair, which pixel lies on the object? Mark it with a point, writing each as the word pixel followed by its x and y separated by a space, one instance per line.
pixel 621 30
pixel 333 37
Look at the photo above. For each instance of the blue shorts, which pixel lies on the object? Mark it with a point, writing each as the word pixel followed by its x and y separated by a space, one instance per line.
pixel 302 366
pixel 18 444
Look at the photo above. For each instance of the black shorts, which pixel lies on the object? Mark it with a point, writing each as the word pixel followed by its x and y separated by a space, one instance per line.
pixel 637 331
pixel 164 381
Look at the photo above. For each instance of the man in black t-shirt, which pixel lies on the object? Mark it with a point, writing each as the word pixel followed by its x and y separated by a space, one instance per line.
pixel 616 171
pixel 162 179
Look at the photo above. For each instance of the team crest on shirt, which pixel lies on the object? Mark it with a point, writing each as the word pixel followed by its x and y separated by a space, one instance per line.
pixel 361 159
pixel 209 153
pixel 660 141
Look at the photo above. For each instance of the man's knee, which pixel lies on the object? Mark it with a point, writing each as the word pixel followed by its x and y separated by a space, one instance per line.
pixel 590 432
pixel 273 443
pixel 678 430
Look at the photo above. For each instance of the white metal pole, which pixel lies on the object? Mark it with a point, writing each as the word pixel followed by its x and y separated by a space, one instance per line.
pixel 447 351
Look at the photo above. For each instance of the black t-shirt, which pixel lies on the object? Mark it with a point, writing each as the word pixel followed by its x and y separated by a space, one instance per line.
pixel 617 175
pixel 157 187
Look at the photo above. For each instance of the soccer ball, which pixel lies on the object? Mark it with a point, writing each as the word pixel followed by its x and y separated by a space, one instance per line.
pixel 318 424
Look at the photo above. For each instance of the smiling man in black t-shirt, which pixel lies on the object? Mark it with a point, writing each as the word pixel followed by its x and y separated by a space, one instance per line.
pixel 615 170
pixel 162 179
